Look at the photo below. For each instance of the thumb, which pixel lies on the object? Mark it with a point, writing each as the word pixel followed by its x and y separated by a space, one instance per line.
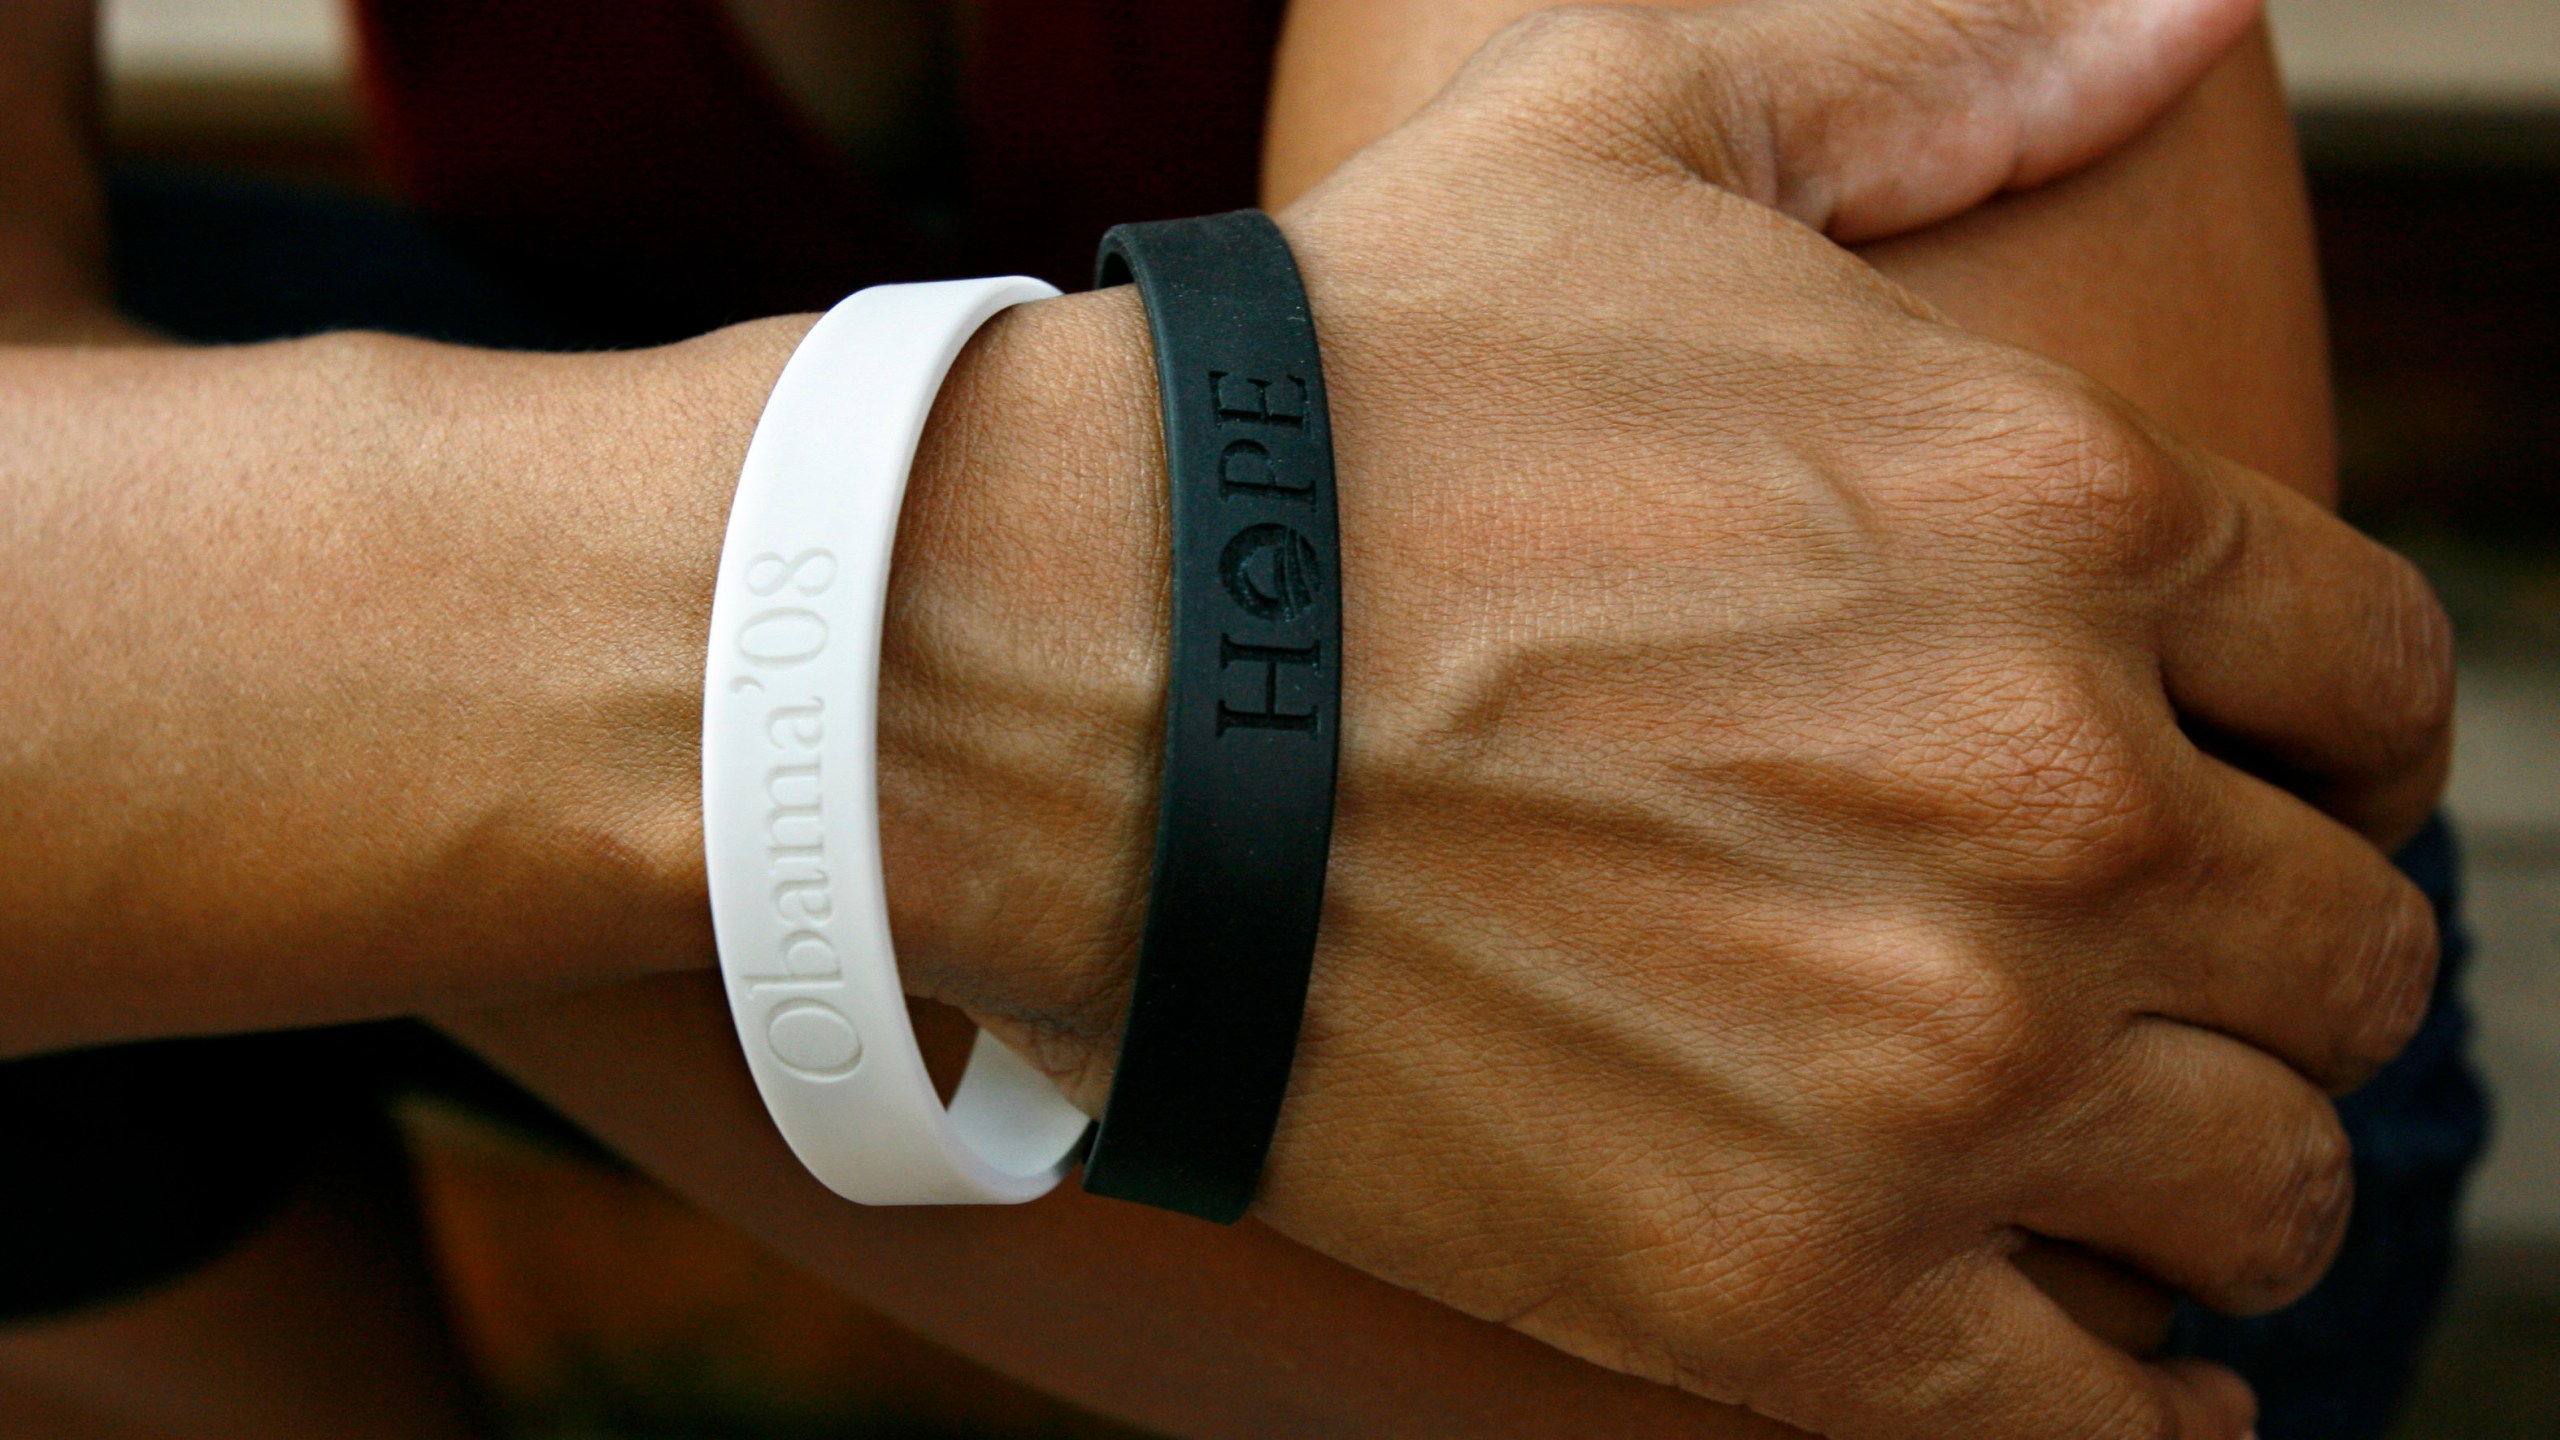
pixel 1876 117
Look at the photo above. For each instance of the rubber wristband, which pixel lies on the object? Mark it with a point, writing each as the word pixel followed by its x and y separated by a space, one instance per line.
pixel 790 801
pixel 1252 716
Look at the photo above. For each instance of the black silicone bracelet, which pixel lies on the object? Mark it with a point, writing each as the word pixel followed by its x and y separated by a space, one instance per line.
pixel 1252 712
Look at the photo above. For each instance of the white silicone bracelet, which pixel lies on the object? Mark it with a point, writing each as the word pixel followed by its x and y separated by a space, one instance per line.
pixel 790 800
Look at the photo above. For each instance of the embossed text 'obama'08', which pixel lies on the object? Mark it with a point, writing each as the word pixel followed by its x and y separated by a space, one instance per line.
pixel 809 1036
pixel 1269 570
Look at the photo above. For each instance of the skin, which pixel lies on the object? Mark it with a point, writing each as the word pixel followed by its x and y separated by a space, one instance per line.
pixel 2178 269
pixel 582 834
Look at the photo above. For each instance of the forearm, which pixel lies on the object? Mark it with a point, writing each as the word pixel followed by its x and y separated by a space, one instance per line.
pixel 1178 1327
pixel 351 675
pixel 358 676
pixel 343 675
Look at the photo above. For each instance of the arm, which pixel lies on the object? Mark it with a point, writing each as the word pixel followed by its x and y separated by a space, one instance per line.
pixel 1173 1326
pixel 2179 269
pixel 289 730
pixel 347 675
pixel 1843 518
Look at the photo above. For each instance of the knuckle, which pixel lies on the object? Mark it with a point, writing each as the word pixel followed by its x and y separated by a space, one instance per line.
pixel 1963 1054
pixel 2109 841
pixel 2083 814
pixel 1583 42
pixel 2085 475
pixel 1582 81
pixel 1573 62
pixel 1955 1100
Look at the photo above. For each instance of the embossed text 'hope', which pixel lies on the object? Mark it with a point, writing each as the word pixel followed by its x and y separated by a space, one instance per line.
pixel 1268 569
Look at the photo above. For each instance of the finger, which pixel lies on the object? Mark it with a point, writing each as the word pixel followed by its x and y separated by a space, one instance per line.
pixel 2205 1163
pixel 2309 944
pixel 2315 649
pixel 1977 1350
pixel 1879 117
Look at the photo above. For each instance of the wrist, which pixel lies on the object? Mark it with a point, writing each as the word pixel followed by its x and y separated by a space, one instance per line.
pixel 627 463
pixel 1022 683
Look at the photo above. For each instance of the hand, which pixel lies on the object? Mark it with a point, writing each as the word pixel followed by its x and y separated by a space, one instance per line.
pixel 1777 872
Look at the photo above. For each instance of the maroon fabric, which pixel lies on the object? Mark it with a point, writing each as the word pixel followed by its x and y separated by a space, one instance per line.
pixel 1087 113
pixel 630 159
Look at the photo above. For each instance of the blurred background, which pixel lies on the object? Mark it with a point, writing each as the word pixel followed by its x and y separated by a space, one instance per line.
pixel 2432 128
